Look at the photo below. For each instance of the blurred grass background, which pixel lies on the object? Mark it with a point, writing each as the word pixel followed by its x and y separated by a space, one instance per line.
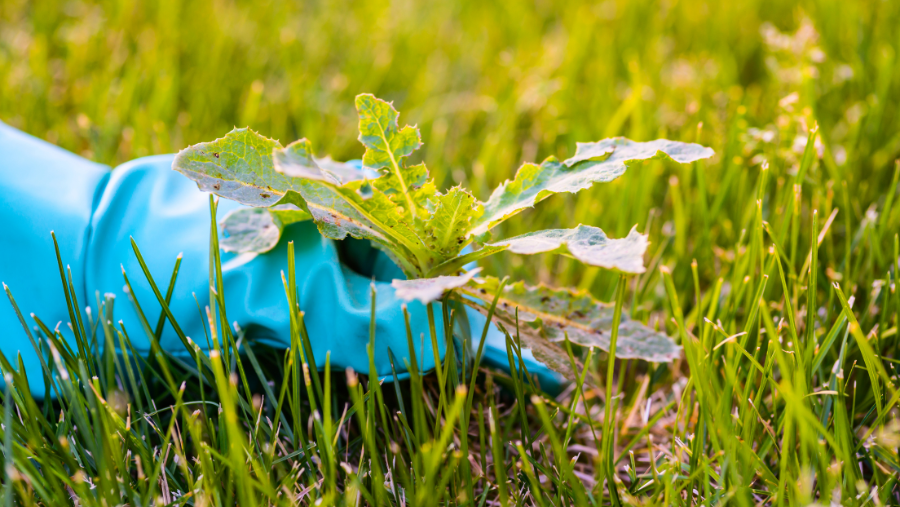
pixel 491 83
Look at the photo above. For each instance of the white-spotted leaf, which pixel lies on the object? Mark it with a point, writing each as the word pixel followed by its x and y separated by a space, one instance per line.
pixel 342 210
pixel 426 290
pixel 446 227
pixel 546 316
pixel 589 245
pixel 238 167
pixel 597 162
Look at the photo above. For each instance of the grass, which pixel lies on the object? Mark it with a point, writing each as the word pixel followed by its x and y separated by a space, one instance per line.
pixel 775 264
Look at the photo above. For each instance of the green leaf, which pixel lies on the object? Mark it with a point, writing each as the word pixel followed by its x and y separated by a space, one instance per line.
pixel 256 230
pixel 289 216
pixel 452 217
pixel 421 196
pixel 249 230
pixel 588 244
pixel 454 264
pixel 546 316
pixel 602 161
pixel 415 177
pixel 296 160
pixel 387 145
pixel 343 200
pixel 238 167
pixel 427 290
pixel 363 213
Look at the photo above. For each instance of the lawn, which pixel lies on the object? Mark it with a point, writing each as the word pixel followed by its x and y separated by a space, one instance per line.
pixel 772 264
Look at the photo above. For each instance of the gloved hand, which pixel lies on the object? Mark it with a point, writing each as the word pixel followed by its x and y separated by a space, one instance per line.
pixel 94 211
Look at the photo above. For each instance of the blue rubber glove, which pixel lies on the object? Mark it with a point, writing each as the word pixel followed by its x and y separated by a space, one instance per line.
pixel 94 212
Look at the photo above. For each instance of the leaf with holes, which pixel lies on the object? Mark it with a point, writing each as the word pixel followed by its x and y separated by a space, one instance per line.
pixel 446 227
pixel 546 316
pixel 427 290
pixel 238 167
pixel 588 244
pixel 362 212
pixel 388 145
pixel 597 162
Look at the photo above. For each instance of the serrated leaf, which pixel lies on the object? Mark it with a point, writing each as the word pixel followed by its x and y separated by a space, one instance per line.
pixel 338 211
pixel 421 192
pixel 597 162
pixel 342 210
pixel 296 160
pixel 427 290
pixel 619 150
pixel 530 334
pixel 238 167
pixel 546 316
pixel 453 213
pixel 256 230
pixel 588 244
pixel 386 143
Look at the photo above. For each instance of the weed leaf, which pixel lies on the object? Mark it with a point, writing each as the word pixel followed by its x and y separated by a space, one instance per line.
pixel 588 244
pixel 296 160
pixel 602 161
pixel 363 213
pixel 427 290
pixel 387 145
pixel 447 226
pixel 256 230
pixel 238 167
pixel 547 315
pixel 342 201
